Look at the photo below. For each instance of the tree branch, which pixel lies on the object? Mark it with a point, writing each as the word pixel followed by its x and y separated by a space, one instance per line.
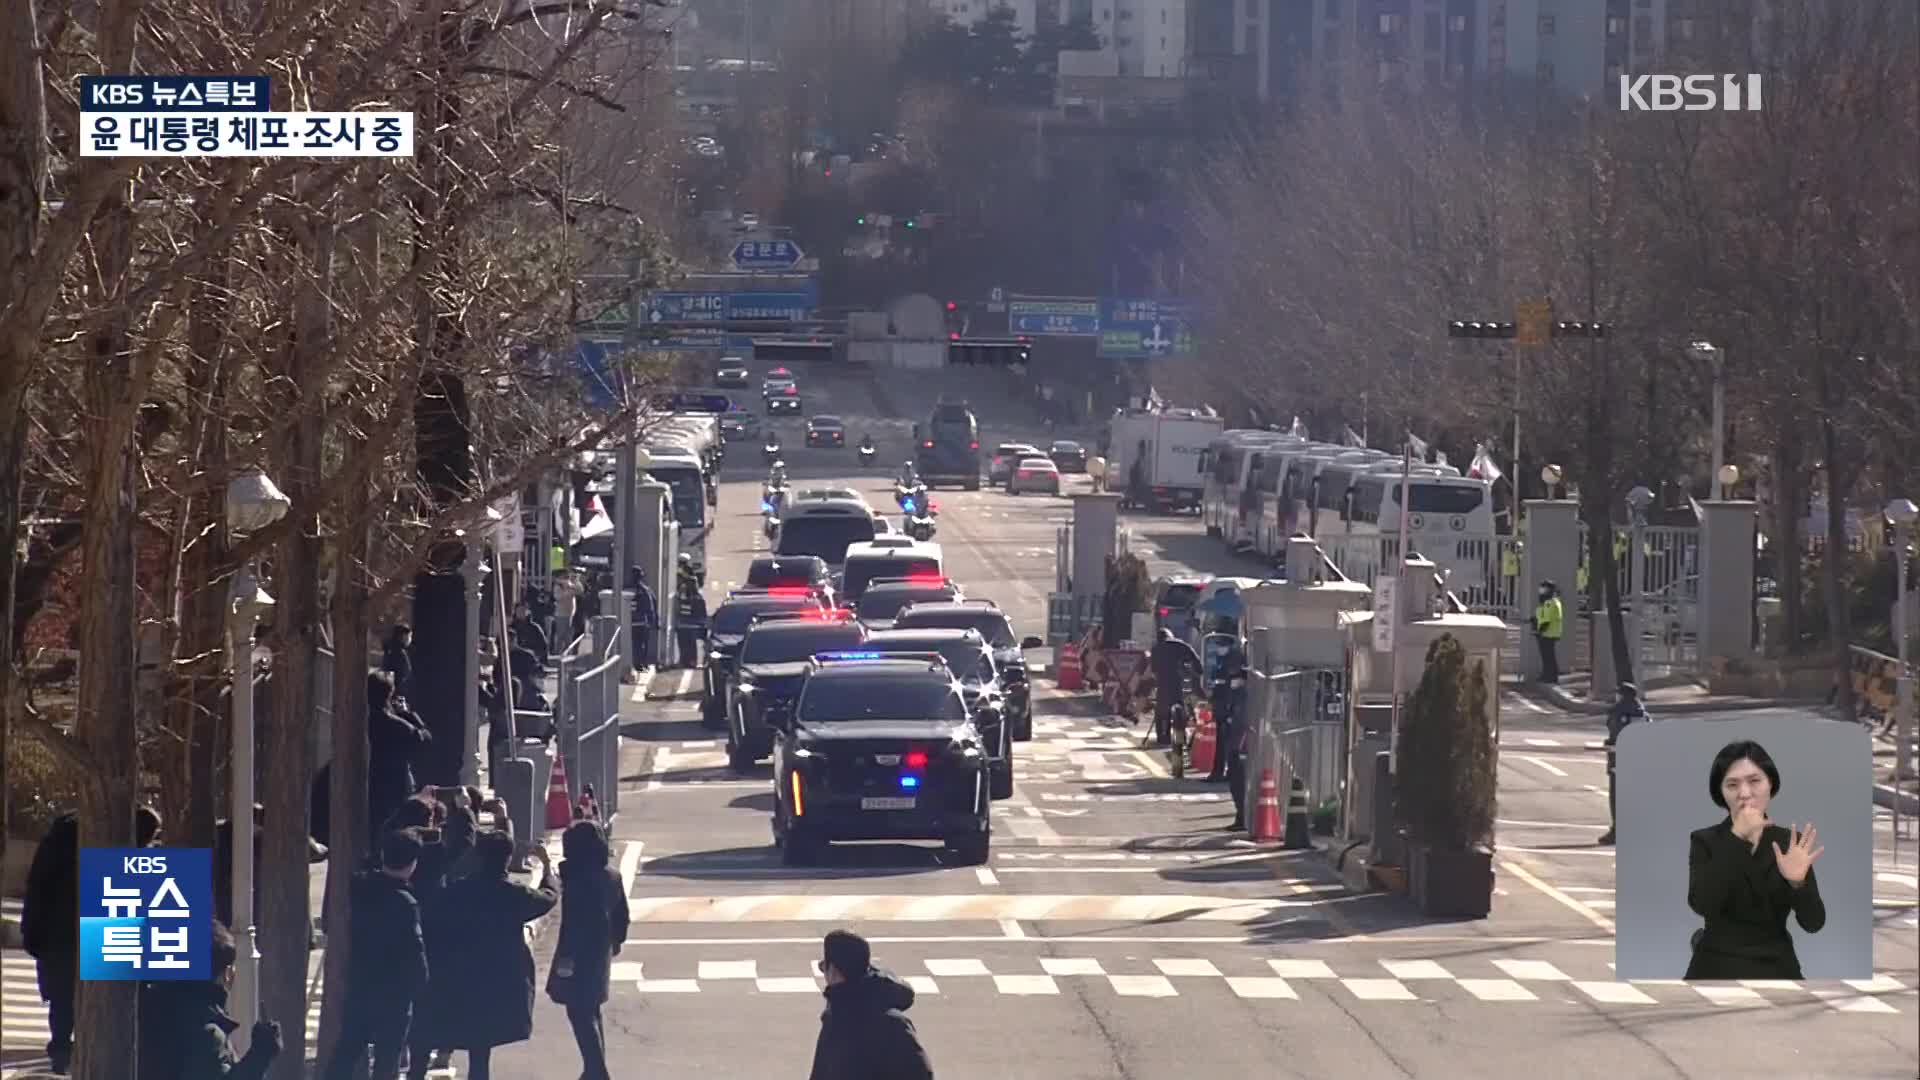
pixel 527 76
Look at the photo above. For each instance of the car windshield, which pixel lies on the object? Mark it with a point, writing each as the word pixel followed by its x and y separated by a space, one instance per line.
pixel 1179 596
pixel 736 618
pixel 1037 464
pixel 885 603
pixel 1066 448
pixel 826 421
pixel 689 493
pixel 986 622
pixel 770 573
pixel 862 569
pixel 965 658
pixel 1448 499
pixel 825 535
pixel 789 643
pixel 880 697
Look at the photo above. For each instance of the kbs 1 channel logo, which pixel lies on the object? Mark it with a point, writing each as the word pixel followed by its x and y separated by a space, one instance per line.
pixel 1692 93
pixel 224 116
pixel 146 914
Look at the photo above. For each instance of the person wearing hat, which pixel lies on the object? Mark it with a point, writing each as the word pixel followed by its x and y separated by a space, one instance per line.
pixel 1627 709
pixel 1549 623
pixel 864 1032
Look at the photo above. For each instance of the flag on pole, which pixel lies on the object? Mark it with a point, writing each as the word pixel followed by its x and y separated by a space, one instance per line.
pixel 1482 466
pixel 1419 446
pixel 1354 440
pixel 1299 429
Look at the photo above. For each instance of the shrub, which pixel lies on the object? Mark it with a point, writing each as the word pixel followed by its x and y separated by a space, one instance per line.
pixel 39 787
pixel 1129 589
pixel 1445 771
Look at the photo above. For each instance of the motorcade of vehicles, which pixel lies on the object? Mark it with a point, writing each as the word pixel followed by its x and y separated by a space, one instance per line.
pixel 884 597
pixel 1009 653
pixel 967 656
pixel 1068 456
pixel 727 628
pixel 1034 474
pixel 768 669
pixel 880 748
pixel 947 446
pixel 1168 444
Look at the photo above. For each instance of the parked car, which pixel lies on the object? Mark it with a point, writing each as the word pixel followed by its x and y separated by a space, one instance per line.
pixel 1034 474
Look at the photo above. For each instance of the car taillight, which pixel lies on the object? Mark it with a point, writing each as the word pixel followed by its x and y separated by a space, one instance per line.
pixel 791 390
pixel 1164 612
pixel 916 759
pixel 928 444
pixel 973 446
pixel 1024 472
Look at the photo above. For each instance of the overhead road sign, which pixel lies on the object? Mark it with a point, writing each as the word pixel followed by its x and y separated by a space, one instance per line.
pixel 1145 330
pixel 722 307
pixel 1068 317
pixel 773 255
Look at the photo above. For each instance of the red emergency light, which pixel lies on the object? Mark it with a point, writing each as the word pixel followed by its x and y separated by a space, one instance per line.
pixel 1164 612
pixel 926 577
pixel 790 590
pixel 953 337
pixel 916 759
pixel 974 446
pixel 928 444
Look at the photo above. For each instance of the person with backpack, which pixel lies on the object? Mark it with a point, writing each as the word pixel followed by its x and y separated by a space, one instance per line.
pixel 1627 709
pixel 864 1031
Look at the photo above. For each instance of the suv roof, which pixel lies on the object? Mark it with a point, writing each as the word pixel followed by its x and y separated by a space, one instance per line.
pixel 938 633
pixel 956 604
pixel 852 664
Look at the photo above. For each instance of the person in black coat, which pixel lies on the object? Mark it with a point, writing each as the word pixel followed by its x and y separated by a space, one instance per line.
pixel 481 992
pixel 864 1032
pixel 386 965
pixel 186 1033
pixel 394 740
pixel 1746 874
pixel 593 927
pixel 530 633
pixel 50 921
pixel 396 658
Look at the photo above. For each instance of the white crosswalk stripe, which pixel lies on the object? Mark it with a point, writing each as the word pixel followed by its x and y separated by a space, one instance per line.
pixel 1503 980
pixel 26 1014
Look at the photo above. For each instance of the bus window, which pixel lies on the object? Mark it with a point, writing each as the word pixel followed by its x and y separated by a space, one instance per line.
pixel 689 494
pixel 1366 501
pixel 1446 500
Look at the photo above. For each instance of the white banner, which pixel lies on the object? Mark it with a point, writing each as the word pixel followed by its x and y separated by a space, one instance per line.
pixel 1385 613
pixel 254 134
pixel 509 533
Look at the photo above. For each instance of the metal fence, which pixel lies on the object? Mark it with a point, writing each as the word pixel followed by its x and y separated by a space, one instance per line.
pixel 1665 575
pixel 594 735
pixel 1298 728
pixel 1068 616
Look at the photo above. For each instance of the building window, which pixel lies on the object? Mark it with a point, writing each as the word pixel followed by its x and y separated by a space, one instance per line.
pixel 1457 70
pixel 1392 24
pixel 1545 73
pixel 1433 28
pixel 1546 25
pixel 1643 28
pixel 1683 29
pixel 1616 25
pixel 1458 24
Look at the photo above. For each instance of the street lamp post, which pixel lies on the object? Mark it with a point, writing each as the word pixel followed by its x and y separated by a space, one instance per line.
pixel 1717 357
pixel 1637 502
pixel 1550 476
pixel 253 502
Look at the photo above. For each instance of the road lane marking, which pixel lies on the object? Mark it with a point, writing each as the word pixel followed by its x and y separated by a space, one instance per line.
pixel 1012 929
pixel 969 907
pixel 1083 937
pixel 1552 824
pixel 985 875
pixel 686 684
pixel 1911 881
pixel 1539 763
pixel 1529 704
pixel 1559 897
pixel 1154 766
pixel 659 770
pixel 630 857
pixel 1541 742
pixel 1596 851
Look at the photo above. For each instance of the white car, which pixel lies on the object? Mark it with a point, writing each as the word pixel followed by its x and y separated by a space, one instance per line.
pixel 1004 457
pixel 1034 474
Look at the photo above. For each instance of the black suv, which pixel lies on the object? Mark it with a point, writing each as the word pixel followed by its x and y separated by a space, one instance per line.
pixel 879 748
pixel 1009 652
pixel 883 598
pixel 727 628
pixel 789 572
pixel 966 655
pixel 771 664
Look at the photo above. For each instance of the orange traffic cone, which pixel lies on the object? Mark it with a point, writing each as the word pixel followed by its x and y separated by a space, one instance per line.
pixel 559 799
pixel 1206 740
pixel 1266 808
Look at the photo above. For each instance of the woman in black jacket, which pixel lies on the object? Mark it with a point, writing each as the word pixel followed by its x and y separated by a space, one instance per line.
pixel 593 927
pixel 1746 874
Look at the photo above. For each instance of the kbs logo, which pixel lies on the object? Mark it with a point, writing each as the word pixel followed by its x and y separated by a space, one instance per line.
pixel 1694 93
pixel 145 913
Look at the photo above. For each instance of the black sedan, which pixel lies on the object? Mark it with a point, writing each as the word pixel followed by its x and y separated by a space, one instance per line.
pixel 967 656
pixel 826 431
pixel 773 662
pixel 732 372
pixel 783 400
pixel 727 630
pixel 1068 456
pixel 879 748
pixel 1009 652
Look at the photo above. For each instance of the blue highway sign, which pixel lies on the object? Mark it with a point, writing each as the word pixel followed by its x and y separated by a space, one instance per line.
pixel 1145 329
pixel 727 306
pixel 767 255
pixel 1053 318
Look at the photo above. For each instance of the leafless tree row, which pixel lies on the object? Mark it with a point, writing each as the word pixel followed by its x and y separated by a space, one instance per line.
pixel 1336 248
pixel 167 323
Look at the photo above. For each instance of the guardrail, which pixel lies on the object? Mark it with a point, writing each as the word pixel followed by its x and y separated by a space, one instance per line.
pixel 595 736
pixel 1298 729
pixel 1069 616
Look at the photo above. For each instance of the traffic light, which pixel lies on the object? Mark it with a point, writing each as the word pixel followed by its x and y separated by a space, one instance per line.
pixel 1480 329
pixel 861 220
pixel 1580 329
pixel 908 223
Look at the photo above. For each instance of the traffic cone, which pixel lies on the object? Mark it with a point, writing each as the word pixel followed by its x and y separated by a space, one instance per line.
pixel 1266 808
pixel 559 799
pixel 1066 667
pixel 1206 740
pixel 1299 818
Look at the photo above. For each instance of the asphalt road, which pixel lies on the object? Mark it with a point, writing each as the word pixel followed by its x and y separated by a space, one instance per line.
pixel 1119 932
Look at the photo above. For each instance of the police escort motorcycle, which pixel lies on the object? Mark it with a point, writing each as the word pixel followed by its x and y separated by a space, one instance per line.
pixel 866 452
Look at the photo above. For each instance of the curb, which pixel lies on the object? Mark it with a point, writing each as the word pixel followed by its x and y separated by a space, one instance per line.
pixel 1560 699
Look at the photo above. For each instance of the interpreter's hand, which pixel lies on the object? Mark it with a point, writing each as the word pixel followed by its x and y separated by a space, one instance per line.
pixel 1748 823
pixel 266 1039
pixel 1796 859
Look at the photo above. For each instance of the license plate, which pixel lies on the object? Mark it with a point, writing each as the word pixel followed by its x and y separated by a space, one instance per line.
pixel 887 803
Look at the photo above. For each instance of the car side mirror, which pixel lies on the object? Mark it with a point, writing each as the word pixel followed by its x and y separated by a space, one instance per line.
pixel 1031 642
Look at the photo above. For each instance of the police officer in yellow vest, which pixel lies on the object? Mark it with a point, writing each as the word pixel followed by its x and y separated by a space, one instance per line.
pixel 1549 623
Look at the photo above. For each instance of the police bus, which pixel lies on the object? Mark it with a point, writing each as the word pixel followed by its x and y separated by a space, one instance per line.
pixel 1449 520
pixel 1229 464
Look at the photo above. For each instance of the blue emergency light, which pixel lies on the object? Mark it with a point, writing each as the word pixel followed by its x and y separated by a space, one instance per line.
pixel 908 783
pixel 851 656
pixel 907 506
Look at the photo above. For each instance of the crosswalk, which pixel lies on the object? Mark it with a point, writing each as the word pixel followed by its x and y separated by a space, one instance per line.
pixel 26 1014
pixel 1288 979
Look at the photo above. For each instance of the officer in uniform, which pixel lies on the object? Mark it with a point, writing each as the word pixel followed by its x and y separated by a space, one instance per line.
pixel 690 622
pixel 1627 709
pixel 1549 623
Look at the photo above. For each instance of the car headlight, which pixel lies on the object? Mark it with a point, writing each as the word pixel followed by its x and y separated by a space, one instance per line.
pixel 804 752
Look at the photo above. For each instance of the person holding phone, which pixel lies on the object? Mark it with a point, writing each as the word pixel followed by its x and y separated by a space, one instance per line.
pixel 1746 875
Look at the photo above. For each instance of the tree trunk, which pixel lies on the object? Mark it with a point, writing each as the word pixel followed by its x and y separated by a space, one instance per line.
pixel 1833 565
pixel 347 824
pixel 23 180
pixel 104 722
pixel 1789 548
